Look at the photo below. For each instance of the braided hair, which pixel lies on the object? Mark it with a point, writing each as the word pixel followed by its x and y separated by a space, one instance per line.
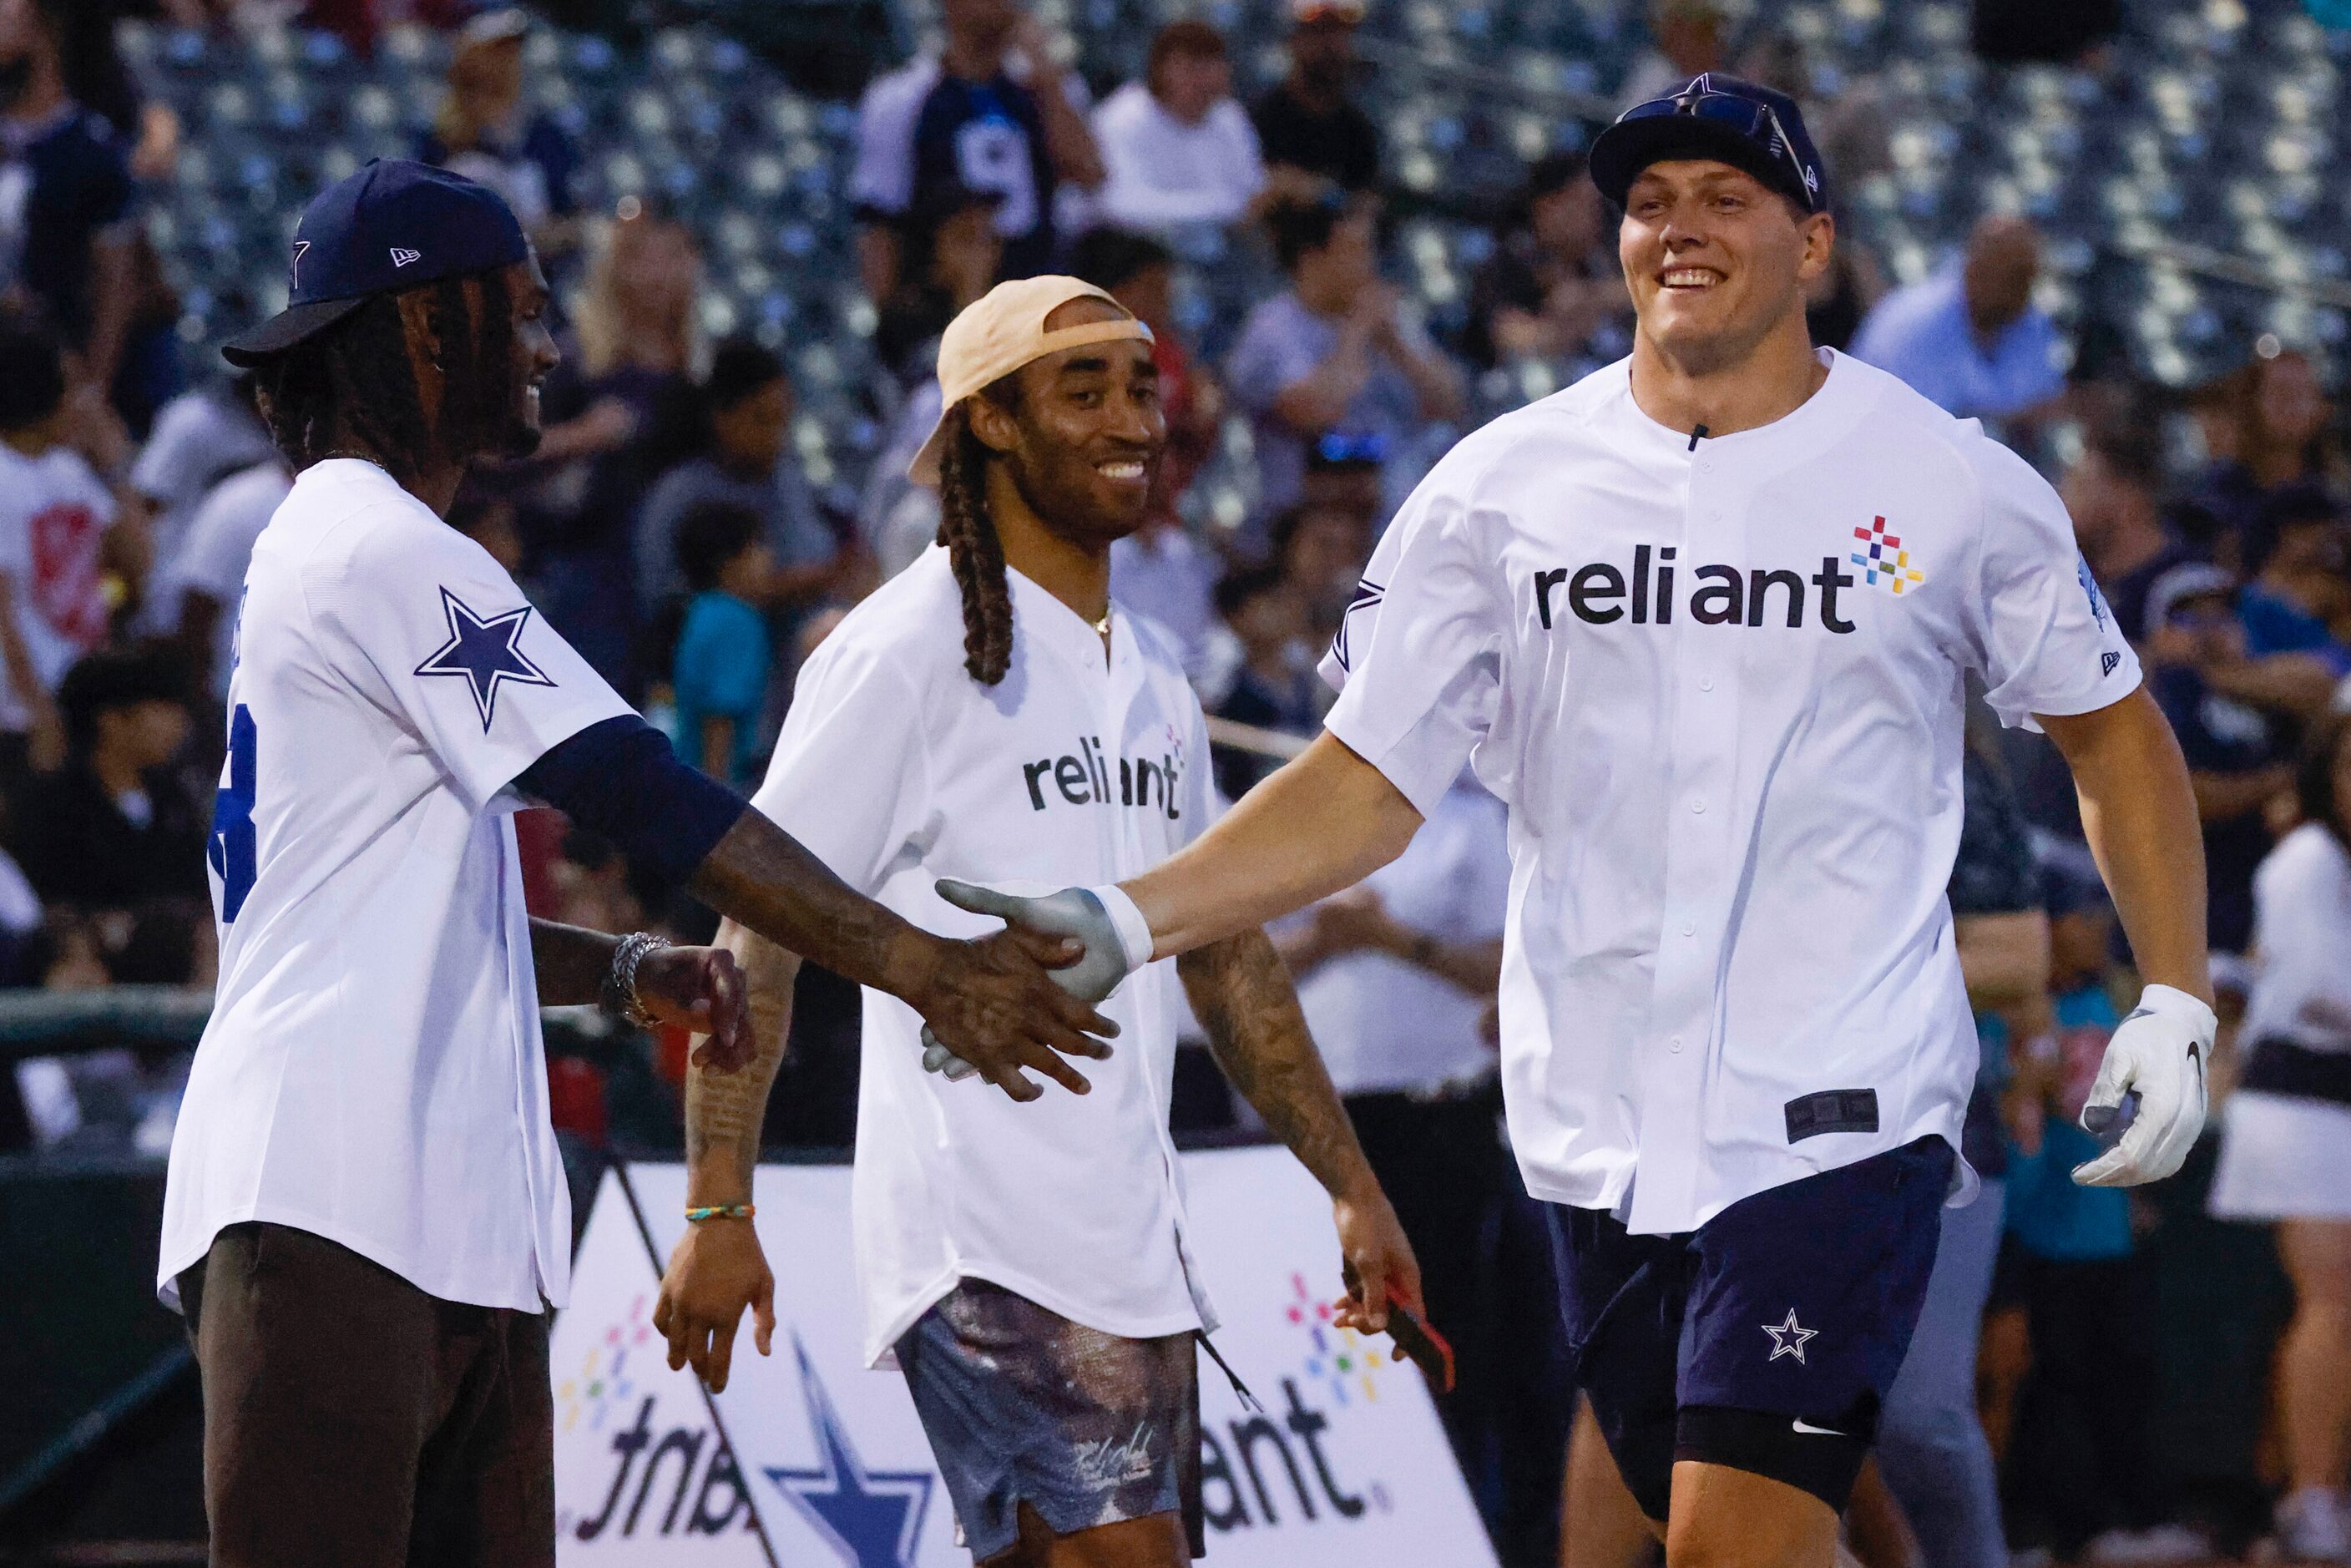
pixel 355 381
pixel 974 552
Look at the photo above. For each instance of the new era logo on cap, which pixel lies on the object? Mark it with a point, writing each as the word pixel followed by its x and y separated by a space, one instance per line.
pixel 401 257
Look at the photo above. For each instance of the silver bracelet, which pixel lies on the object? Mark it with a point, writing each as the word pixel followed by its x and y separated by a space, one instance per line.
pixel 620 999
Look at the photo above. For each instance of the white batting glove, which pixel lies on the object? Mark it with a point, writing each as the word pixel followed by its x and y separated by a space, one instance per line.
pixel 1116 938
pixel 2154 1063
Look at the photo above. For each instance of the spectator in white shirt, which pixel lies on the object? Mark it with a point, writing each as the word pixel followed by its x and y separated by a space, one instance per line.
pixel 56 513
pixel 1177 148
pixel 199 439
pixel 197 592
pixel 2289 1123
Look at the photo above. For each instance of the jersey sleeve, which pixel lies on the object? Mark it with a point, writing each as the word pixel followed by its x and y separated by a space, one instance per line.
pixel 427 625
pixel 851 774
pixel 1417 660
pixel 2043 633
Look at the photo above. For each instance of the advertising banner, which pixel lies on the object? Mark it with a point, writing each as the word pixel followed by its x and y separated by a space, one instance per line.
pixel 1346 1464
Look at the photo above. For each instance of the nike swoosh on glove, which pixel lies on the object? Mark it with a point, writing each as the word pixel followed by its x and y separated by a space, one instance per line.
pixel 1103 920
pixel 2156 1057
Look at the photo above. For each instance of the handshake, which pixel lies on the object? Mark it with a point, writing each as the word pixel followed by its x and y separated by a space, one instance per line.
pixel 1114 938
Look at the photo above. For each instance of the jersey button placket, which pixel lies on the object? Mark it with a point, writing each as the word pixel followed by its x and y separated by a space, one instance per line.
pixel 1682 994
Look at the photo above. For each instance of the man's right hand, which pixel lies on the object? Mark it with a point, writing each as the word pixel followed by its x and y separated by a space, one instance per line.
pixel 997 1002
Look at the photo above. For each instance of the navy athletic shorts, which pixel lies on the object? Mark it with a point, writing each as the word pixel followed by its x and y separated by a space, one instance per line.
pixel 1766 1339
pixel 1023 1405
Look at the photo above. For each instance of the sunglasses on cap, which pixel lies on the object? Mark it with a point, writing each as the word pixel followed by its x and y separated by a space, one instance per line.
pixel 1741 124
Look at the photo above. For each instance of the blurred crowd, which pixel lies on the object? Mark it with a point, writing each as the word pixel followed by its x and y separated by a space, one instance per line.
pixel 667 527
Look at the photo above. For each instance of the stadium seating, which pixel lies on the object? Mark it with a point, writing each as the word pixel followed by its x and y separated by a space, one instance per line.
pixel 2211 124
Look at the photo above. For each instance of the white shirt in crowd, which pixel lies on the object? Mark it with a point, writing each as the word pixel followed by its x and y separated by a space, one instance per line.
pixel 1385 1025
pixel 373 1071
pixel 199 439
pixel 54 514
pixel 1163 173
pixel 895 768
pixel 1169 577
pixel 215 548
pixel 2301 934
pixel 1718 684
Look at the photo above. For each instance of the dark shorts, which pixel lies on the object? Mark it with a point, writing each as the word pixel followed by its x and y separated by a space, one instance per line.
pixel 1765 1340
pixel 350 1418
pixel 1023 1405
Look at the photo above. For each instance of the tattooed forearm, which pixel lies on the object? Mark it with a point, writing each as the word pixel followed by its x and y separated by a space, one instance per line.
pixel 723 1110
pixel 1243 996
pixel 761 878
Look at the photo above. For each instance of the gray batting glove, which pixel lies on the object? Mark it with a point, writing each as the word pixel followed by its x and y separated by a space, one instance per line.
pixel 1082 913
pixel 1074 912
pixel 2155 1058
pixel 937 1058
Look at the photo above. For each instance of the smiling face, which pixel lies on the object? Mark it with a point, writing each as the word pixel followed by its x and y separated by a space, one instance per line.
pixel 1083 437
pixel 1717 261
pixel 535 356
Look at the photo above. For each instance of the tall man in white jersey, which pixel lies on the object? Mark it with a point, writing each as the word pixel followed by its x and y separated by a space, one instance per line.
pixel 1701 620
pixel 366 1218
pixel 1025 1265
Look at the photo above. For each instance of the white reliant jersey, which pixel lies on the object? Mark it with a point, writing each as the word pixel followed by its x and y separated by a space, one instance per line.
pixel 373 1071
pixel 1719 690
pixel 895 768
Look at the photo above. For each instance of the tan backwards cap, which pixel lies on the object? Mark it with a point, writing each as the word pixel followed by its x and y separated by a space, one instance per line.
pixel 1002 331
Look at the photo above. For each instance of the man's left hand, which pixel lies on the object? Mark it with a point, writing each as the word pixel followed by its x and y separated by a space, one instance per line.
pixel 1372 1239
pixel 699 989
pixel 2157 1054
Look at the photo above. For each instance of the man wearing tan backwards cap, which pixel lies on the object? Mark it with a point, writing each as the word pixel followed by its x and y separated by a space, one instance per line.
pixel 1024 1264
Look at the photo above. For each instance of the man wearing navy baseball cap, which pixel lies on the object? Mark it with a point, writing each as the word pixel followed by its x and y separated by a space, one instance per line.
pixel 366 1219
pixel 1726 708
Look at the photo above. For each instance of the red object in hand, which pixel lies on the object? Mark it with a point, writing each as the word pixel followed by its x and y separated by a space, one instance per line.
pixel 575 1099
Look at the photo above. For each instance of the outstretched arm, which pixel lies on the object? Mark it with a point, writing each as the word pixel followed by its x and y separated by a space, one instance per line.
pixel 1245 1000
pixel 1325 821
pixel 991 1000
pixel 717 1268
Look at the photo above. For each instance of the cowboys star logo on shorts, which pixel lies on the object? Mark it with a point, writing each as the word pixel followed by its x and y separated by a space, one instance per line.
pixel 1787 1338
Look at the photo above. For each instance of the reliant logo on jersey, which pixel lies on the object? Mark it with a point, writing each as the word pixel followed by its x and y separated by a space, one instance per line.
pixel 1601 593
pixel 1084 779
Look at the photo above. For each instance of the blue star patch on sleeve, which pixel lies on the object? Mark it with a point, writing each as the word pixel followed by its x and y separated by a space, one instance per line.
pixel 483 651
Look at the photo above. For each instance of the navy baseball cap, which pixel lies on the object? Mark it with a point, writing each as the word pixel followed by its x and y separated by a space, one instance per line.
pixel 1721 118
pixel 394 226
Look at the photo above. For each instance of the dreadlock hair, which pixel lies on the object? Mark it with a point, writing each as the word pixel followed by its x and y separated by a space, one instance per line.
pixel 974 552
pixel 356 380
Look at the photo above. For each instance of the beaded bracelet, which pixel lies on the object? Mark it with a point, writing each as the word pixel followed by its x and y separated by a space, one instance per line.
pixel 721 1211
